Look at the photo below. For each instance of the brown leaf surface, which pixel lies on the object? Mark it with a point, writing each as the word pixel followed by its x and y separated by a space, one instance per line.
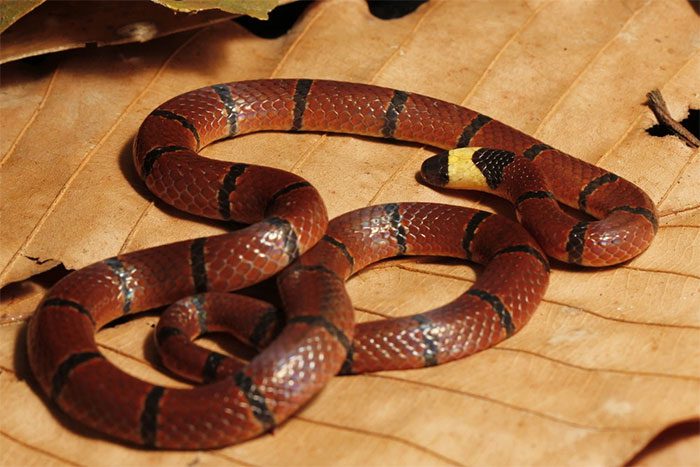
pixel 64 25
pixel 12 10
pixel 256 8
pixel 609 360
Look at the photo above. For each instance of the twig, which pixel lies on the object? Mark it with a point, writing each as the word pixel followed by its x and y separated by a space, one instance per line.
pixel 656 103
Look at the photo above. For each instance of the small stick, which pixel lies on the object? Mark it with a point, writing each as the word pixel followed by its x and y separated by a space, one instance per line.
pixel 656 103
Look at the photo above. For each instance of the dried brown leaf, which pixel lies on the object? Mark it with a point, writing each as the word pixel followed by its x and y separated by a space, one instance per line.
pixel 13 10
pixel 608 361
pixel 256 8
pixel 64 25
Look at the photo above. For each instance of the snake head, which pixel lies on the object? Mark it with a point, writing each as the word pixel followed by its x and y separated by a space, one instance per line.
pixel 435 171
pixel 465 168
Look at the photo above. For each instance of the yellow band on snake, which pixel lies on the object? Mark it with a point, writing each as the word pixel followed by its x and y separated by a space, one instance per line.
pixel 462 172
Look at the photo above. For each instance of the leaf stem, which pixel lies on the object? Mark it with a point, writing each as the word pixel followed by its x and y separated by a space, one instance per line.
pixel 657 104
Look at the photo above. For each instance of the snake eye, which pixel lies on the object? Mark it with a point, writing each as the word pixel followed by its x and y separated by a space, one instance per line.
pixel 434 170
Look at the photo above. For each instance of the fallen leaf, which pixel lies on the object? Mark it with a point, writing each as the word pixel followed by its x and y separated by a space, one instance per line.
pixel 256 8
pixel 11 11
pixel 608 361
pixel 56 26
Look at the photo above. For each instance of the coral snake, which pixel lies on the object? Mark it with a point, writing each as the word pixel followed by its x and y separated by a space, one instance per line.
pixel 289 232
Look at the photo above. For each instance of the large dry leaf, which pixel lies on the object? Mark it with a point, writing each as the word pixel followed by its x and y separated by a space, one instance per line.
pixel 257 8
pixel 610 358
pixel 12 11
pixel 64 25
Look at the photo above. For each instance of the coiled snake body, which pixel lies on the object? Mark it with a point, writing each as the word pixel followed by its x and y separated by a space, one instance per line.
pixel 288 218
